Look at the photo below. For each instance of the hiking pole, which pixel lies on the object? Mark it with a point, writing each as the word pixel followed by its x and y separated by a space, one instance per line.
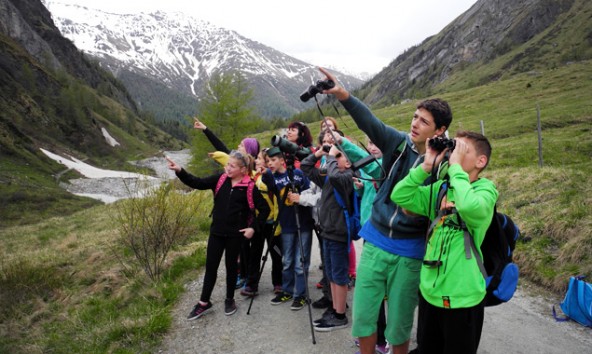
pixel 264 259
pixel 302 260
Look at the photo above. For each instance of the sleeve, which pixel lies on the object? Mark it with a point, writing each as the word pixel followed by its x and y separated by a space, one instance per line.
pixel 262 208
pixel 196 182
pixel 220 157
pixel 474 202
pixel 385 137
pixel 340 180
pixel 311 196
pixel 356 153
pixel 411 195
pixel 216 143
pixel 310 171
pixel 269 181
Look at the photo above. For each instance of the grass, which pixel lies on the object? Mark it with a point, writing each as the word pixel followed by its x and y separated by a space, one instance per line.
pixel 67 286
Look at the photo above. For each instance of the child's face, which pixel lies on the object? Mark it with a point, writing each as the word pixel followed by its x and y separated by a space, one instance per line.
pixel 327 124
pixel 235 168
pixel 374 150
pixel 470 160
pixel 260 163
pixel 276 163
pixel 342 162
pixel 328 139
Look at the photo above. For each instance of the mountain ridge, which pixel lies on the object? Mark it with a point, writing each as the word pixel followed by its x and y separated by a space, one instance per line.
pixel 183 52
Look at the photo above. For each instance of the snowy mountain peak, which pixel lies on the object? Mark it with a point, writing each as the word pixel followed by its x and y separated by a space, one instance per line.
pixel 183 52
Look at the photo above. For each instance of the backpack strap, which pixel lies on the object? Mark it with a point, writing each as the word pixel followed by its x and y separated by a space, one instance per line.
pixel 246 181
pixel 470 243
pixel 395 167
pixel 221 181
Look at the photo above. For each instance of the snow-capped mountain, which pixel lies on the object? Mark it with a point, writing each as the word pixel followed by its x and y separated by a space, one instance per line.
pixel 182 53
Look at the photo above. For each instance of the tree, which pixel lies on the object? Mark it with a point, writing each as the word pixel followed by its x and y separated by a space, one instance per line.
pixel 227 111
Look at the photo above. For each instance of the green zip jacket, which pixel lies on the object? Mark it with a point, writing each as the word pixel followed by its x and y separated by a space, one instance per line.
pixel 457 282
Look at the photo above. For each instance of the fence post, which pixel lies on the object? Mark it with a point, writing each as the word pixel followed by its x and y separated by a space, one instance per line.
pixel 540 135
pixel 482 128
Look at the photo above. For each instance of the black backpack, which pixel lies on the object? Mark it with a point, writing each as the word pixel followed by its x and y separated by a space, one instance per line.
pixel 500 272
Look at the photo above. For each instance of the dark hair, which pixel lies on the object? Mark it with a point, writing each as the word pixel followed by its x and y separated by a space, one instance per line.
pixel 439 109
pixel 480 142
pixel 304 135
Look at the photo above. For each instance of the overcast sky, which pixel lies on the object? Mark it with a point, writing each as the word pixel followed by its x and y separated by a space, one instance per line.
pixel 358 35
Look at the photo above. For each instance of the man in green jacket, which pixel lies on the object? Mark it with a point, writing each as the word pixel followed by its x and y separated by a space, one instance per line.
pixel 452 287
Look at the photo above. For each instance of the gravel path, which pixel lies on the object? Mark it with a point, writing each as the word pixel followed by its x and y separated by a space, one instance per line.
pixel 524 325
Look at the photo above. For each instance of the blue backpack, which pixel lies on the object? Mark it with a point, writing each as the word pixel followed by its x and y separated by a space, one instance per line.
pixel 352 217
pixel 577 303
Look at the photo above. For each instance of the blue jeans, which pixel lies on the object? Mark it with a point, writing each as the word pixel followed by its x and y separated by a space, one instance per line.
pixel 293 276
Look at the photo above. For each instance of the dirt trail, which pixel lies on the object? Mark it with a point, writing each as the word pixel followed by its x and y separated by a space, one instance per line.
pixel 524 325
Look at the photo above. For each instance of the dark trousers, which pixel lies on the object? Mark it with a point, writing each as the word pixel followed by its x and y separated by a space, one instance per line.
pixel 275 252
pixel 324 280
pixel 381 325
pixel 449 331
pixel 218 245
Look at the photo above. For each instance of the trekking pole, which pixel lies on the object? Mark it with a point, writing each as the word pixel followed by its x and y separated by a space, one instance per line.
pixel 264 259
pixel 302 260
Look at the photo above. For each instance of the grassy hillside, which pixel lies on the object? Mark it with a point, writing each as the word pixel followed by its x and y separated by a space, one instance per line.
pixel 67 286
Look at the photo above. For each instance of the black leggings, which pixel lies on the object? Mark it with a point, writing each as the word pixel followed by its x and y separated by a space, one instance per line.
pixel 275 251
pixel 217 245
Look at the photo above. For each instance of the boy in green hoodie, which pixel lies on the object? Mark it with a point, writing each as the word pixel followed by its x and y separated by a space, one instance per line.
pixel 452 287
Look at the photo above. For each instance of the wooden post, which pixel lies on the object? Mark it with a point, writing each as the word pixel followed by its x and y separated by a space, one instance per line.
pixel 540 135
pixel 482 128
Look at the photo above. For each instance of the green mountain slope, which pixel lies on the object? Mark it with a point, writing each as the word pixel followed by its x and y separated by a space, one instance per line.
pixel 52 97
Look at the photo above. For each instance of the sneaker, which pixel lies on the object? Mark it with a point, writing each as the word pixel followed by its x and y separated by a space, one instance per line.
pixel 240 282
pixel 199 310
pixel 331 323
pixel 328 312
pixel 229 307
pixel 281 298
pixel 248 291
pixel 322 303
pixel 298 303
pixel 382 348
pixel 277 289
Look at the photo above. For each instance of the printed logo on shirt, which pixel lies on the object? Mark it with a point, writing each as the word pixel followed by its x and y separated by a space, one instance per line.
pixel 446 302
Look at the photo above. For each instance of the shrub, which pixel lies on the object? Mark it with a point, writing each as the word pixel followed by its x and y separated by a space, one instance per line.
pixel 151 225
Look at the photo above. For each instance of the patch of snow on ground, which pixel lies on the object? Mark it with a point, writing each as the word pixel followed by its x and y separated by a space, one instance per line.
pixel 110 140
pixel 109 186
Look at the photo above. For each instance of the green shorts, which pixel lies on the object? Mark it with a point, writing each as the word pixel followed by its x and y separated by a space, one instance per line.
pixel 381 274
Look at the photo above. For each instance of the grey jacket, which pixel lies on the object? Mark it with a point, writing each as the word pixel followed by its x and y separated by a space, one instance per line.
pixel 332 219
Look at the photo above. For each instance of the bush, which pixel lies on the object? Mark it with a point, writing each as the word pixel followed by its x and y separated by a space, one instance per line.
pixel 151 225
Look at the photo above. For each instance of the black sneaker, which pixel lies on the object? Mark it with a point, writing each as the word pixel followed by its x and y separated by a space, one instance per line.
pixel 229 307
pixel 331 323
pixel 281 298
pixel 298 303
pixel 328 312
pixel 322 303
pixel 199 310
